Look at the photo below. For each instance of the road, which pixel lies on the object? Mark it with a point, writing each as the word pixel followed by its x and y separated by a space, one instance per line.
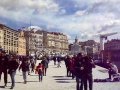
pixel 56 80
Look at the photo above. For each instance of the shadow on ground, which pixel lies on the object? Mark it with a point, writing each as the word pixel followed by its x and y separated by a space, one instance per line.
pixel 2 87
pixel 23 82
pixel 106 80
pixel 63 79
pixel 57 76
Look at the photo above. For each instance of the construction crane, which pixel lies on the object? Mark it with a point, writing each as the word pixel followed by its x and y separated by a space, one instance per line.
pixel 104 36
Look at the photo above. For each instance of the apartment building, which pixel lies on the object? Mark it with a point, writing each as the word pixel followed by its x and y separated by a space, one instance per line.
pixel 40 42
pixel 34 41
pixel 21 43
pixel 55 43
pixel 8 39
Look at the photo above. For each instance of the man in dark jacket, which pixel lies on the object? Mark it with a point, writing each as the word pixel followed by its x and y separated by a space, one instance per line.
pixel 3 66
pixel 78 73
pixel 25 68
pixel 88 64
pixel 45 64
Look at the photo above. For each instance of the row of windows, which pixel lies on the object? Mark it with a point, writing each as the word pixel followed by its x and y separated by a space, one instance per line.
pixel 21 46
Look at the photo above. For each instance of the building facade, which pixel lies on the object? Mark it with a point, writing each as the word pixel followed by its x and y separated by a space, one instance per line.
pixel 21 44
pixel 90 47
pixel 41 42
pixel 9 39
pixel 112 51
pixel 112 45
pixel 75 48
pixel 34 42
pixel 55 43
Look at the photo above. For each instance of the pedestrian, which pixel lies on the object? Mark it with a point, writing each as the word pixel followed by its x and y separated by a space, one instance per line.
pixel 12 67
pixel 67 63
pixel 87 77
pixel 77 67
pixel 29 63
pixel 59 61
pixel 39 70
pixel 54 59
pixel 72 65
pixel 32 62
pixel 25 68
pixel 45 65
pixel 4 66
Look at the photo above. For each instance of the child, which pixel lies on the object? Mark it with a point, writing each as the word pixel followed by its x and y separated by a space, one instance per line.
pixel 39 70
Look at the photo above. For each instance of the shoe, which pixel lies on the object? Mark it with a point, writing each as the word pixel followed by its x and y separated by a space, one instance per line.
pixel 11 88
pixel 25 82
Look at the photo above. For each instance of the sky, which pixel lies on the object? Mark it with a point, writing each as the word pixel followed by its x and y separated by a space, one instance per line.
pixel 86 19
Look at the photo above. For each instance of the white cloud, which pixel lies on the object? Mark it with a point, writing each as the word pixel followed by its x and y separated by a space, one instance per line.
pixel 80 13
pixel 23 9
pixel 91 17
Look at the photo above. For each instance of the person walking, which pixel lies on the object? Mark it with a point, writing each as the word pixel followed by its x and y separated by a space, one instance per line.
pixel 32 62
pixel 25 68
pixel 12 67
pixel 59 61
pixel 87 77
pixel 4 66
pixel 78 73
pixel 67 63
pixel 45 65
pixel 72 66
pixel 54 59
pixel 39 70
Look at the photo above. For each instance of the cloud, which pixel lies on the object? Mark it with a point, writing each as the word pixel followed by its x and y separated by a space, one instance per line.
pixel 24 9
pixel 80 13
pixel 109 25
pixel 84 18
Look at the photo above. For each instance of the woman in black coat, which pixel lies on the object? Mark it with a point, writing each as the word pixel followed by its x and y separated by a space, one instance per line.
pixel 12 67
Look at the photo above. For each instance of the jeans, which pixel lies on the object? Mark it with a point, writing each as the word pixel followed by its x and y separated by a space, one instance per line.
pixel 12 75
pixel 24 76
pixel 78 84
pixel 40 76
pixel 5 75
pixel 88 78
pixel 44 71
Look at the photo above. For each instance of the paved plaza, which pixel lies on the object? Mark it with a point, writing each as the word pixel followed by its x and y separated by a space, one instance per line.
pixel 56 80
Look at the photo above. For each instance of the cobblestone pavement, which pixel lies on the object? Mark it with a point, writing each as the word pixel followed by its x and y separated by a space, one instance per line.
pixel 56 80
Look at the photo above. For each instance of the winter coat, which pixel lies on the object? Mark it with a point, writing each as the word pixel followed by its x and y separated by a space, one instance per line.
pixel 88 64
pixel 12 66
pixel 39 69
pixel 24 66
pixel 45 63
pixel 3 63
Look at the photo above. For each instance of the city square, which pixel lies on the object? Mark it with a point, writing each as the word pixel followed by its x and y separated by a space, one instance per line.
pixel 60 44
